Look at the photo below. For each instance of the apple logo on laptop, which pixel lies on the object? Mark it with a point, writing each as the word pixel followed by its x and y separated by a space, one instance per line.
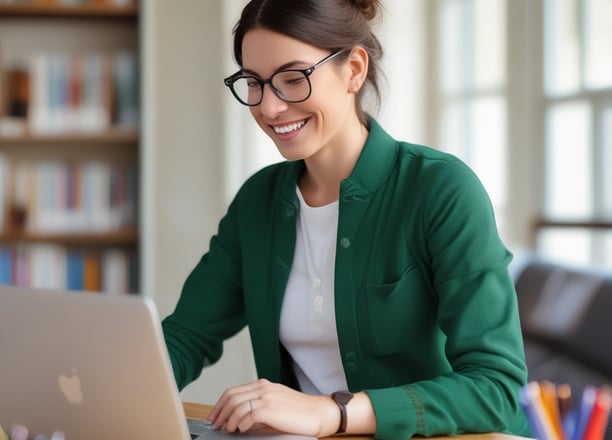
pixel 71 387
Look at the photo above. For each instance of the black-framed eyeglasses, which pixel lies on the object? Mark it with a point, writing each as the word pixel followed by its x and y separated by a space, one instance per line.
pixel 291 85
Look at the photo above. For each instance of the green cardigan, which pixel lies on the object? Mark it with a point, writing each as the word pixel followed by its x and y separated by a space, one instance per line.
pixel 425 308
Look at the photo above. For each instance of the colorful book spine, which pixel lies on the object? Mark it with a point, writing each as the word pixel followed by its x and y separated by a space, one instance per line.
pixel 74 271
pixel 113 270
pixel 67 196
pixel 83 93
pixel 6 265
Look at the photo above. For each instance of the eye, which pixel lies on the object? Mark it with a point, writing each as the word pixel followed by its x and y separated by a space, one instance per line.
pixel 292 79
pixel 296 81
pixel 252 83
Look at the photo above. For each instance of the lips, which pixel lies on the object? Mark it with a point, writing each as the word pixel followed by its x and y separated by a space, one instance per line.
pixel 288 128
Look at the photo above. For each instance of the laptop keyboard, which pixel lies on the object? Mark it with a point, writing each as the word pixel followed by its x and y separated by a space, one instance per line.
pixel 199 428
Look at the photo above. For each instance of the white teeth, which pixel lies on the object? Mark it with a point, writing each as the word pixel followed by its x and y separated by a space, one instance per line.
pixel 289 128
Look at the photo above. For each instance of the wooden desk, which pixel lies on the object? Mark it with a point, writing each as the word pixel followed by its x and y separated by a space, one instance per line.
pixel 199 411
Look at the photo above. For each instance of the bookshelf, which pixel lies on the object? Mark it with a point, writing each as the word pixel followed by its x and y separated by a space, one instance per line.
pixel 69 9
pixel 70 144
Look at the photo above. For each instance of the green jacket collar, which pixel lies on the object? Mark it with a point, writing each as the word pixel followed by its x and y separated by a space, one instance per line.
pixel 372 167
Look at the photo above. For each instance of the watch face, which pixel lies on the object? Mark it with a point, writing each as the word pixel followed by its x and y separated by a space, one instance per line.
pixel 342 396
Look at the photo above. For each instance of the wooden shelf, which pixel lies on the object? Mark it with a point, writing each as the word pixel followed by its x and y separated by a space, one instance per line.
pixel 53 9
pixel 123 237
pixel 108 137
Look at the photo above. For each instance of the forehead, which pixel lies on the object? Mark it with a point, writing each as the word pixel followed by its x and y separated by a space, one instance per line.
pixel 264 51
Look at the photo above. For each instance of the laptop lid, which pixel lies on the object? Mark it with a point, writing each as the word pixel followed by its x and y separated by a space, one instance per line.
pixel 93 366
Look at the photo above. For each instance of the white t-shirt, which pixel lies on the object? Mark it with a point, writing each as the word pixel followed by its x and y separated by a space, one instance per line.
pixel 308 321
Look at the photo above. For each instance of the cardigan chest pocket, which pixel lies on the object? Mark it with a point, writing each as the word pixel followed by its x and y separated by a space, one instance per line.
pixel 399 312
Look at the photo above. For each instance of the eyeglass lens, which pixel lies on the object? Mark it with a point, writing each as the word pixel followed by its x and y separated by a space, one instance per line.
pixel 288 85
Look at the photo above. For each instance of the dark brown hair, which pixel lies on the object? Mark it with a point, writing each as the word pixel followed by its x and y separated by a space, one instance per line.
pixel 328 24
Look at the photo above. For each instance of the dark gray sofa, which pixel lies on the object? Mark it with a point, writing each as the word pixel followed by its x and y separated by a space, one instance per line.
pixel 566 318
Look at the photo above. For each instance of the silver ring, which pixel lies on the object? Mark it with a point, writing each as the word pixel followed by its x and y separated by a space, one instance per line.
pixel 250 406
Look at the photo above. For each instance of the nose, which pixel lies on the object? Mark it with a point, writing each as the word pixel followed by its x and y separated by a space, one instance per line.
pixel 271 104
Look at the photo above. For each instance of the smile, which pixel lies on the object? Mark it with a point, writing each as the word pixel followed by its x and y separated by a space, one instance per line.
pixel 284 129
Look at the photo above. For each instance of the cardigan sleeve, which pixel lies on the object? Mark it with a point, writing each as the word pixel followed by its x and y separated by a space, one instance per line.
pixel 210 308
pixel 477 312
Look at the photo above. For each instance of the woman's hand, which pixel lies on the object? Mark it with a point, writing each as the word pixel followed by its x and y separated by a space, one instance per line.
pixel 275 406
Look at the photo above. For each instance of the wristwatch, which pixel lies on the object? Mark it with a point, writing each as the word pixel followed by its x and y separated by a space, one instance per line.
pixel 342 398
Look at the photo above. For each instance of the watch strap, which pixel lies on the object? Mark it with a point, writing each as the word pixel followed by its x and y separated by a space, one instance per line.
pixel 342 398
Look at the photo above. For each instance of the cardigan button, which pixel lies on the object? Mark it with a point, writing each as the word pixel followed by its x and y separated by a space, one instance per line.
pixel 345 242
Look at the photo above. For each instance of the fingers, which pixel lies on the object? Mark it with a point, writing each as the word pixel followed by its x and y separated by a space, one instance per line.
pixel 233 409
pixel 271 406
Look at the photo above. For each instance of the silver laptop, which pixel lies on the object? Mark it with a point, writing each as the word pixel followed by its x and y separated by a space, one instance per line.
pixel 90 365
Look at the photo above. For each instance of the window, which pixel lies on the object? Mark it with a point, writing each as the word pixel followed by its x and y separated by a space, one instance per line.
pixel 471 90
pixel 557 133
pixel 577 90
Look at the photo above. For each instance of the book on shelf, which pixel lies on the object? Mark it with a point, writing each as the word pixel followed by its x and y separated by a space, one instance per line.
pixel 4 190
pixel 91 272
pixel 126 91
pixel 63 196
pixel 3 87
pixel 72 93
pixel 52 266
pixel 83 93
pixel 14 98
pixel 6 265
pixel 74 270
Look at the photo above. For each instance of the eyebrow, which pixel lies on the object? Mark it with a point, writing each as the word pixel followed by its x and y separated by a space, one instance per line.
pixel 285 66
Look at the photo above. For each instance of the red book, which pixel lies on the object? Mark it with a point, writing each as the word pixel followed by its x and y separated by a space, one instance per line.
pixel 596 427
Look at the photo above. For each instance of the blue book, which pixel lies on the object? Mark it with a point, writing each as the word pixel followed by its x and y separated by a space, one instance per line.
pixel 74 271
pixel 6 265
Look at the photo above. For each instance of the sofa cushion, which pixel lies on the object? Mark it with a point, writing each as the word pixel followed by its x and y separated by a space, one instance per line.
pixel 529 285
pixel 591 341
pixel 553 301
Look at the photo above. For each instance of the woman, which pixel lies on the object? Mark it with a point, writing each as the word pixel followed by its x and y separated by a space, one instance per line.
pixel 360 264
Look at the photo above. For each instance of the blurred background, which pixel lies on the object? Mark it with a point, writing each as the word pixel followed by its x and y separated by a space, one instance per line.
pixel 120 147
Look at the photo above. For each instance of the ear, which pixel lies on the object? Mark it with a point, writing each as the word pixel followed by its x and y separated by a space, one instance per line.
pixel 357 63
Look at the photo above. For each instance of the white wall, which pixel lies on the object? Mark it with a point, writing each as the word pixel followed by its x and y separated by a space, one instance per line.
pixel 182 151
pixel 400 32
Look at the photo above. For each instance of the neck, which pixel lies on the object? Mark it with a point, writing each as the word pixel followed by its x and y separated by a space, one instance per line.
pixel 320 184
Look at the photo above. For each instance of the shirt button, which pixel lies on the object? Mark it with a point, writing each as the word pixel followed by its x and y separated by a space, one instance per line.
pixel 345 242
pixel 315 283
pixel 319 300
pixel 351 356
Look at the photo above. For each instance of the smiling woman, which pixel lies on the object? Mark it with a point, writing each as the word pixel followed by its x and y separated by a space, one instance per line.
pixel 369 271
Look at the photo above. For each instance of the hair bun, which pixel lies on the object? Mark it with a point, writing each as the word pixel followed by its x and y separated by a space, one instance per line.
pixel 369 8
